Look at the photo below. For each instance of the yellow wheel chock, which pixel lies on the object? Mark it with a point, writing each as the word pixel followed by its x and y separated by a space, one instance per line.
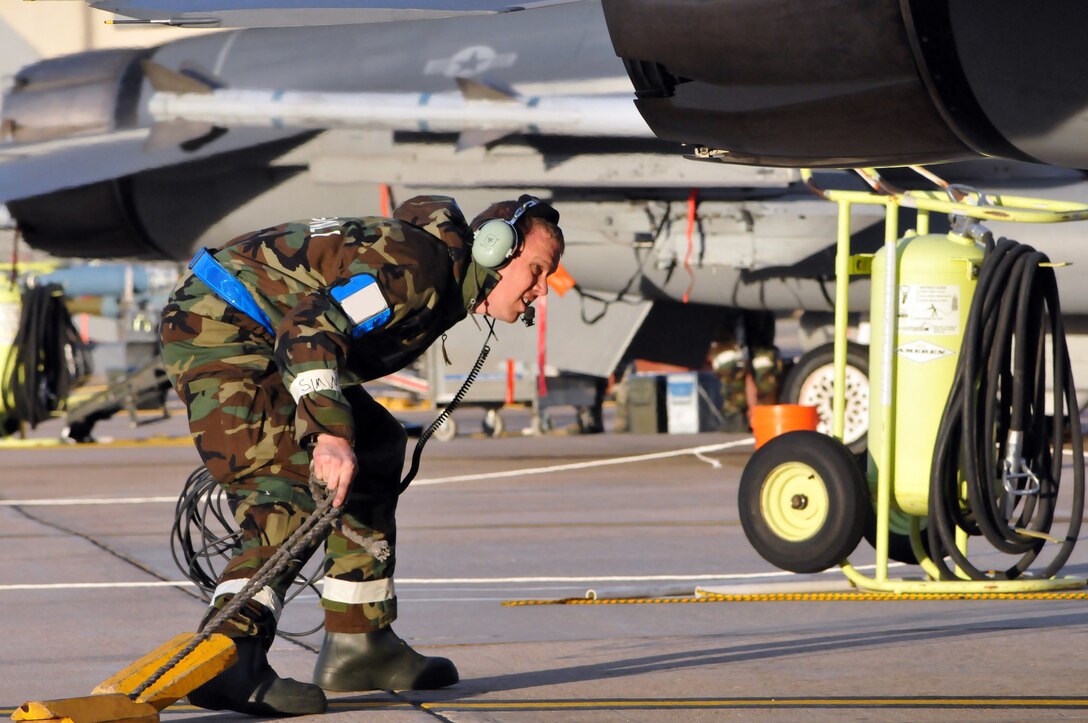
pixel 166 674
pixel 112 701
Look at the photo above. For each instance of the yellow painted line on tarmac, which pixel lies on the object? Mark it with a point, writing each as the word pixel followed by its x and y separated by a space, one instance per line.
pixel 371 705
pixel 960 702
pixel 402 404
pixel 803 597
pixel 705 703
pixel 383 704
pixel 379 704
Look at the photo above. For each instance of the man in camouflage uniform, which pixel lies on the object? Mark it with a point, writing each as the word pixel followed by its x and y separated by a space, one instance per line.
pixel 748 366
pixel 266 342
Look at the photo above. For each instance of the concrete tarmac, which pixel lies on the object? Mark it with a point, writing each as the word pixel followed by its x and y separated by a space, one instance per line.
pixel 88 584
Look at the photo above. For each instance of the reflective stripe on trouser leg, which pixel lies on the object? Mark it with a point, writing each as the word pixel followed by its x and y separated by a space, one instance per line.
pixel 358 607
pixel 357 592
pixel 265 597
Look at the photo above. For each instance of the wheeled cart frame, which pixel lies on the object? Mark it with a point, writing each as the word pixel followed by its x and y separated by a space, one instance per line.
pixel 808 484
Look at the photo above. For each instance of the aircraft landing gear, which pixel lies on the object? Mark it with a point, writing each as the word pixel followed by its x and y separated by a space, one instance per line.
pixel 811 382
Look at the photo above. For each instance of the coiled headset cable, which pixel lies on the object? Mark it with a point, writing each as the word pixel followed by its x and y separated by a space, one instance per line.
pixel 417 453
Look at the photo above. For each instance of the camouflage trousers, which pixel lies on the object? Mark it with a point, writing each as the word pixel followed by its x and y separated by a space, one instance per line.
pixel 763 375
pixel 242 420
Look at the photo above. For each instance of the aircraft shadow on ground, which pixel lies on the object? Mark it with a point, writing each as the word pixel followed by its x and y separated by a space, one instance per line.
pixel 743 653
pixel 681 660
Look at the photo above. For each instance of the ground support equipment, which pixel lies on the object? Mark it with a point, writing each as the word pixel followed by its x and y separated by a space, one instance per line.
pixel 799 500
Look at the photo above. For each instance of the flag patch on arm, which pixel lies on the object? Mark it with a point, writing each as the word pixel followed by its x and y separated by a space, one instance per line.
pixel 364 304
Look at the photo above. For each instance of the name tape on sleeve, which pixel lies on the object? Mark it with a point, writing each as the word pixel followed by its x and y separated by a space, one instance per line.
pixel 316 380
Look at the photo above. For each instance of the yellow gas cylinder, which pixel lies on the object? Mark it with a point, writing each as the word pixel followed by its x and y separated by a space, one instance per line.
pixel 10 310
pixel 937 279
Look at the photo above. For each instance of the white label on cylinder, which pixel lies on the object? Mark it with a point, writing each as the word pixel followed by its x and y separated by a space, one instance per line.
pixel 929 309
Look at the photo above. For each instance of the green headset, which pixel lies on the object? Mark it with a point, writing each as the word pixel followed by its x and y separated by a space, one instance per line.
pixel 498 240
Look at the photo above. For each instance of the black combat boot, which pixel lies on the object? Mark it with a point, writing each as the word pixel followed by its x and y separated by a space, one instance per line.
pixel 251 686
pixel 378 661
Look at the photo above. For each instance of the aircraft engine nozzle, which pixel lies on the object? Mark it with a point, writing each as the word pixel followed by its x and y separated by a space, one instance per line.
pixel 846 83
pixel 89 92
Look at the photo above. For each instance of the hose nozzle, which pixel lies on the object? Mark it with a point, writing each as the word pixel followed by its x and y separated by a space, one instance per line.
pixel 1016 477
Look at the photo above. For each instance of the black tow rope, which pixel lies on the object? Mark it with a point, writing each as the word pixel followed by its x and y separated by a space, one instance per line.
pixel 311 531
pixel 995 427
pixel 199 512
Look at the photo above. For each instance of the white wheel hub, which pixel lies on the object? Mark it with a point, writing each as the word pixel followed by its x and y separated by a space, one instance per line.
pixel 818 390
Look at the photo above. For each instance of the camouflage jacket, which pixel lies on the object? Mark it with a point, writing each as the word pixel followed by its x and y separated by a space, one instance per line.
pixel 354 299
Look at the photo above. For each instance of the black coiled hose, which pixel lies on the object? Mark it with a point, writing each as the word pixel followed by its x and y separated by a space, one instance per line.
pixel 998 396
pixel 47 358
pixel 204 529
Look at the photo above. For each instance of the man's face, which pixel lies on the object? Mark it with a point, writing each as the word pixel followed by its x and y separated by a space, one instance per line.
pixel 524 279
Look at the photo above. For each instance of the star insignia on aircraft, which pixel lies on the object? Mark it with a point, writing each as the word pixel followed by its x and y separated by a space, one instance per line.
pixel 470 61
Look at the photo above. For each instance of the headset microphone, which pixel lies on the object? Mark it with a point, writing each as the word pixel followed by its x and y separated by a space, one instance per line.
pixel 529 317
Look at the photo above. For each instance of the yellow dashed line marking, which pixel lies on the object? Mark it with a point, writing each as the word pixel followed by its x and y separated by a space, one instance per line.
pixel 876 702
pixel 694 703
pixel 804 597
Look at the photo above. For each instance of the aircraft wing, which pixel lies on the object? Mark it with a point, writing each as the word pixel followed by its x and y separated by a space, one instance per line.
pixel 284 13
pixel 215 122
pixel 31 169
pixel 95 116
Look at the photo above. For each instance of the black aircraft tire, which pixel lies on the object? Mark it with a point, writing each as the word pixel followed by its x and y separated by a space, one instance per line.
pixel 803 502
pixel 810 382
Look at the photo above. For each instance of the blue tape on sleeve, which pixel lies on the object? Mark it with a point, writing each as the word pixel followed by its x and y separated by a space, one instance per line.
pixel 228 288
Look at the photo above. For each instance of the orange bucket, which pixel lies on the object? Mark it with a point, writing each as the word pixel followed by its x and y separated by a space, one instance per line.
pixel 771 420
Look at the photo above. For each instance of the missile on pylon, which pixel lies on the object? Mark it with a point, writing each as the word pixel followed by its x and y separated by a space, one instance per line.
pixel 478 111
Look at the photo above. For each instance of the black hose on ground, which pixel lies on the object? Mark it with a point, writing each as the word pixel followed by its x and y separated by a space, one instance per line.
pixel 995 437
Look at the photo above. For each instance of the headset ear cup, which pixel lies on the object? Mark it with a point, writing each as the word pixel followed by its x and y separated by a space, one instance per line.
pixel 494 243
